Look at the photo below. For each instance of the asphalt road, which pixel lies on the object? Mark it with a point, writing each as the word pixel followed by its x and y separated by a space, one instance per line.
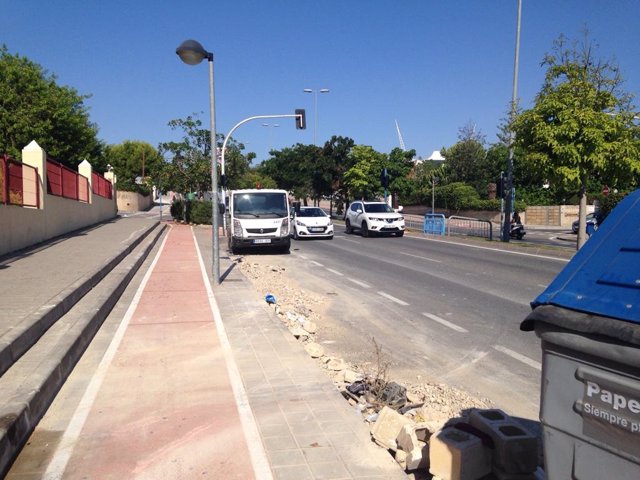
pixel 444 311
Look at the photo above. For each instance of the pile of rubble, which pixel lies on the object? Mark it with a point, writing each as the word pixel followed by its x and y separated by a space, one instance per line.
pixel 426 427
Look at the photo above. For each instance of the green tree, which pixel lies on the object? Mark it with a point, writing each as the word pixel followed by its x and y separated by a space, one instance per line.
pixel 466 159
pixel 34 107
pixel 337 156
pixel 363 178
pixel 581 126
pixel 132 159
pixel 294 169
pixel 188 165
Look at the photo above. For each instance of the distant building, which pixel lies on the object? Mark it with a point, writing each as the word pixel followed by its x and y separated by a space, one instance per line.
pixel 434 157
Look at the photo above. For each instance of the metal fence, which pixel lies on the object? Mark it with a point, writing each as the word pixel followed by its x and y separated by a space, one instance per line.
pixel 18 183
pixel 64 182
pixel 101 186
pixel 471 227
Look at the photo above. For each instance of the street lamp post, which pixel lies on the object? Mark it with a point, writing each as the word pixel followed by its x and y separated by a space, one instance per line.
pixel 274 125
pixel 508 204
pixel 433 193
pixel 315 110
pixel 192 53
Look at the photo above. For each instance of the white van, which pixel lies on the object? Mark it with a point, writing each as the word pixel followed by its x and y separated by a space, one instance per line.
pixel 258 218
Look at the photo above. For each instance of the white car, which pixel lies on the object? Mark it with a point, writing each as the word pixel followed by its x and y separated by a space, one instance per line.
pixel 373 217
pixel 311 222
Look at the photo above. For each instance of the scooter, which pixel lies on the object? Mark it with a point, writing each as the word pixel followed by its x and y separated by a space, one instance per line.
pixel 517 231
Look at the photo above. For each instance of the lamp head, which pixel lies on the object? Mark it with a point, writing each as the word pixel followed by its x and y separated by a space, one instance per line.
pixel 192 52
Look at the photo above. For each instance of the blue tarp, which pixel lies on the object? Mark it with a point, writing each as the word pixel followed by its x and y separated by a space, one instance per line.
pixel 603 278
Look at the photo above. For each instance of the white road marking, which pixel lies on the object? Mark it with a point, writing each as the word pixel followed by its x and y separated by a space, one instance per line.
pixel 304 257
pixel 519 357
pixel 444 322
pixel 358 282
pixel 542 286
pixel 60 459
pixel 421 257
pixel 349 240
pixel 317 264
pixel 393 299
pixel 335 272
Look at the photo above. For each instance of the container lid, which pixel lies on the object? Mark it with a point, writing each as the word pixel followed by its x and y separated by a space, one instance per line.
pixel 603 278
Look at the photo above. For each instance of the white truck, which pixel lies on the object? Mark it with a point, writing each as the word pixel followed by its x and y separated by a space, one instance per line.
pixel 258 218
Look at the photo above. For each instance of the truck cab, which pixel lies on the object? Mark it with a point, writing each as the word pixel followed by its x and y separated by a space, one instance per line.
pixel 258 218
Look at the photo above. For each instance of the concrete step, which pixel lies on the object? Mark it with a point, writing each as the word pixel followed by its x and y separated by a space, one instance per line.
pixel 26 331
pixel 31 381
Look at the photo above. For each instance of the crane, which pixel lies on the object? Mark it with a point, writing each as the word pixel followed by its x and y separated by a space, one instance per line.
pixel 400 137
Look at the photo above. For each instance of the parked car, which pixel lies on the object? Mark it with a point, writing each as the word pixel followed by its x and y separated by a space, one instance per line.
pixel 591 218
pixel 373 218
pixel 311 222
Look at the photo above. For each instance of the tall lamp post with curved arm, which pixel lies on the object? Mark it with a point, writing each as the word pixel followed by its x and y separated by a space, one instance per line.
pixel 192 53
pixel 315 110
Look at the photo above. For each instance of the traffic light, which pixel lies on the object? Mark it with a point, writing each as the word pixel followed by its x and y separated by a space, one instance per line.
pixel 301 119
pixel 501 186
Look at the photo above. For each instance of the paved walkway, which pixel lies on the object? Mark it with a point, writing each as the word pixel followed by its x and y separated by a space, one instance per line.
pixel 199 383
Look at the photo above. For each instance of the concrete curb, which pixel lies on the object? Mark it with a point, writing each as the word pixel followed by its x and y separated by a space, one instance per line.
pixel 32 384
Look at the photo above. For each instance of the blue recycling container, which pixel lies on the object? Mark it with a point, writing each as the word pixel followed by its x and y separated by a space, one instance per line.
pixel 588 320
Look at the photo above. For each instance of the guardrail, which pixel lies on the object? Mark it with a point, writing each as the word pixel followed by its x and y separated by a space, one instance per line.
pixel 18 183
pixel 434 224
pixel 472 227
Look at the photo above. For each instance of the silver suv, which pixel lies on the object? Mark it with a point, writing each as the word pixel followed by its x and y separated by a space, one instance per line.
pixel 373 218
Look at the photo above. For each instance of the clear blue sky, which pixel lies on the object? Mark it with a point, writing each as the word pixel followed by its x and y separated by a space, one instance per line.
pixel 432 65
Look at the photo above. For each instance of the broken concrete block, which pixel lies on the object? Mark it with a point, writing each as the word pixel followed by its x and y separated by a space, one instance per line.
pixel 298 332
pixel 418 458
pixel 401 458
pixel 515 449
pixel 314 350
pixel 423 431
pixel 310 326
pixel 387 427
pixel 458 455
pixel 350 376
pixel 336 364
pixel 407 439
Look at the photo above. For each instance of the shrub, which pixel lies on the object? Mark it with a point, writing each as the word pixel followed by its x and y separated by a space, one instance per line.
pixel 200 213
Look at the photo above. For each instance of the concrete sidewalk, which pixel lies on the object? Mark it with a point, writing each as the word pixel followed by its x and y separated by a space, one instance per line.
pixel 198 381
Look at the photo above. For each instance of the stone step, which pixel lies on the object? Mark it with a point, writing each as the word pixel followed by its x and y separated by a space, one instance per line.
pixel 31 382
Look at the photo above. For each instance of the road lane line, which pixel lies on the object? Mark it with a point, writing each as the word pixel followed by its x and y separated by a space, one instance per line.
pixel 519 357
pixel 303 257
pixel 421 257
pixel 349 240
pixel 393 299
pixel 62 454
pixel 336 272
pixel 317 264
pixel 358 282
pixel 446 323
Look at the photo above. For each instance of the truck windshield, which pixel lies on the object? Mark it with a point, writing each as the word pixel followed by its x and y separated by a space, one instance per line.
pixel 260 205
